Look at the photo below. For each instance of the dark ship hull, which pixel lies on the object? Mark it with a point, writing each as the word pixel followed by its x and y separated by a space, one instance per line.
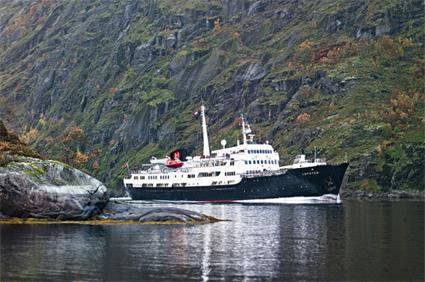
pixel 300 182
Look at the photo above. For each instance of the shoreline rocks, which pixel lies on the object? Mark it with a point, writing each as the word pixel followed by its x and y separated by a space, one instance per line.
pixel 391 195
pixel 120 210
pixel 44 191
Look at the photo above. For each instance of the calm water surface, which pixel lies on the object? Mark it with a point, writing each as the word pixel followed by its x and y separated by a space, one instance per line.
pixel 352 241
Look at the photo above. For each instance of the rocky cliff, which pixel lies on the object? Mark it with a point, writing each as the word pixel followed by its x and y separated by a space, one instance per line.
pixel 99 83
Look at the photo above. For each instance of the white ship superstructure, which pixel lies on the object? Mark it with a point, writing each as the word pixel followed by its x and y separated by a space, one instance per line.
pixel 225 166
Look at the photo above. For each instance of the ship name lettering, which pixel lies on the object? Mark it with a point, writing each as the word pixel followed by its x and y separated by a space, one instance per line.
pixel 310 173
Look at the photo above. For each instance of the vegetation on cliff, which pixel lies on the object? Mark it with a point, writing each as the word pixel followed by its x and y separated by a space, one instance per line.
pixel 100 83
pixel 11 146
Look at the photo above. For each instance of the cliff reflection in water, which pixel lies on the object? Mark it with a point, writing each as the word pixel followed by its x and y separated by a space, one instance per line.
pixel 352 241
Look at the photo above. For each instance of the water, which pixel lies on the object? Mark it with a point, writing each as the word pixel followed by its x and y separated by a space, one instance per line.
pixel 351 241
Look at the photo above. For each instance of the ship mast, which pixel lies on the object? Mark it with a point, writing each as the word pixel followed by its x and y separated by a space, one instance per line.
pixel 243 130
pixel 205 133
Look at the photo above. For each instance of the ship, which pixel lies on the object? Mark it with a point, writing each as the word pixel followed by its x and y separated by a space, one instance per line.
pixel 249 171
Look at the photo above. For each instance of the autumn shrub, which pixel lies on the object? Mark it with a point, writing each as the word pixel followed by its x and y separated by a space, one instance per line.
pixel 302 118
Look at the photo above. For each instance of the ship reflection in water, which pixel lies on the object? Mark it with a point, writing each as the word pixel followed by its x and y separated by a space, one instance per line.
pixel 351 241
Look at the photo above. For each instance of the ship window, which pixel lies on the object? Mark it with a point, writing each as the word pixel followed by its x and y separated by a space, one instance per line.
pixel 190 176
pixel 136 177
pixel 142 177
pixel 230 173
pixel 232 163
pixel 209 174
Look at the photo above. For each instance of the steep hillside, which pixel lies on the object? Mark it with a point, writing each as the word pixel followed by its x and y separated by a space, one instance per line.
pixel 99 83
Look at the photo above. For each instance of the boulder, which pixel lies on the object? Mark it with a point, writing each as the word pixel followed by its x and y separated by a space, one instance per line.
pixel 124 210
pixel 172 214
pixel 37 188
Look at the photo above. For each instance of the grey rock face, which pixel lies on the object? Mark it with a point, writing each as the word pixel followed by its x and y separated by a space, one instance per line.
pixel 257 7
pixel 119 210
pixel 48 189
pixel 252 73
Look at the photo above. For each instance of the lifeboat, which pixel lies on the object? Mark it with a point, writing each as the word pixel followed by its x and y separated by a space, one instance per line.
pixel 174 163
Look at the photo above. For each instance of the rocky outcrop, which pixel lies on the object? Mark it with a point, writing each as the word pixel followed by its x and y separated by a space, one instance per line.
pixel 124 210
pixel 37 188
